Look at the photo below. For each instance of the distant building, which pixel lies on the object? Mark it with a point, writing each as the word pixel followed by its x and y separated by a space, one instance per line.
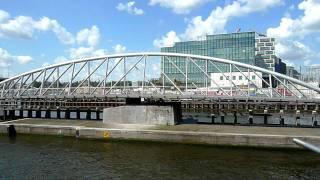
pixel 265 52
pixel 292 72
pixel 238 79
pixel 245 47
pixel 238 47
pixel 2 79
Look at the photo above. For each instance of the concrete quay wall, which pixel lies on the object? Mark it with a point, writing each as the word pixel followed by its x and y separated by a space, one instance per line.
pixel 210 138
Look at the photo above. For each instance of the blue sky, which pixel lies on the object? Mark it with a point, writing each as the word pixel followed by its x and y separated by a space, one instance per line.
pixel 36 33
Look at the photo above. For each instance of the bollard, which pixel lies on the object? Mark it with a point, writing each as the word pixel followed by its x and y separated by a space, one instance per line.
pixel 11 131
pixel 235 117
pixel 77 132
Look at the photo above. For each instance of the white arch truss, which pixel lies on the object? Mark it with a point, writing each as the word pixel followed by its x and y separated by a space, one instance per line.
pixel 130 74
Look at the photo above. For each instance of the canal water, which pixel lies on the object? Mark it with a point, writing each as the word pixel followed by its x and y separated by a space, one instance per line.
pixel 49 157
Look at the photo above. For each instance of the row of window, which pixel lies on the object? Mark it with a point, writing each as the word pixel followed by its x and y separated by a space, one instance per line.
pixel 253 77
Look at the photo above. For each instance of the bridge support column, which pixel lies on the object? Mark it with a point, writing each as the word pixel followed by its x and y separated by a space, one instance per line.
pixel 67 114
pixel 265 117
pixel 88 116
pixel 250 117
pixel 97 115
pixel 281 117
pixel 29 113
pixel 78 114
pixel 48 114
pixel 298 118
pixel 21 113
pixel 58 113
pixel 11 114
pixel 314 118
pixel 212 118
pixel 235 117
pixel 38 113
pixel 5 115
pixel 222 118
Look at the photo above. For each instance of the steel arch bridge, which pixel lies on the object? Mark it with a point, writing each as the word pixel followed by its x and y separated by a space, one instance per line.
pixel 130 75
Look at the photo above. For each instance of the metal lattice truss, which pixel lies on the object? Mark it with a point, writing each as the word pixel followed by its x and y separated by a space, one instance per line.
pixel 140 74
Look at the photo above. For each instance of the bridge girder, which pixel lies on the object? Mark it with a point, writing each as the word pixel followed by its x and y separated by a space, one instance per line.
pixel 110 75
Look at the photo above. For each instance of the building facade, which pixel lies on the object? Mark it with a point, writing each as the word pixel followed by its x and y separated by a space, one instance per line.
pixel 238 79
pixel 238 47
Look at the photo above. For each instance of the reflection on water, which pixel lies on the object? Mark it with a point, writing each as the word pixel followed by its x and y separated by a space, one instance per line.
pixel 60 157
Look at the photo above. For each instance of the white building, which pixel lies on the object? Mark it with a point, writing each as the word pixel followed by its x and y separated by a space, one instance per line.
pixel 239 79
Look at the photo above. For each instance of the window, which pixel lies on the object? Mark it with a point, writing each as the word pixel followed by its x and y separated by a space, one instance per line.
pixel 233 77
pixel 240 77
pixel 253 77
pixel 221 77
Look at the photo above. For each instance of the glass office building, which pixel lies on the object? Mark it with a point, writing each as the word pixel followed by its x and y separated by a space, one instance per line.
pixel 234 46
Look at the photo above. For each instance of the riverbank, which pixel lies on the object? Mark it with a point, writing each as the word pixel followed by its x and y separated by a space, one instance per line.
pixel 278 137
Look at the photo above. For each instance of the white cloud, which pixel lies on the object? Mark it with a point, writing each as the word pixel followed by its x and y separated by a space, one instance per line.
pixel 308 23
pixel 89 37
pixel 4 15
pixel 217 20
pixel 24 59
pixel 60 59
pixel 84 52
pixel 25 26
pixel 168 40
pixel 179 6
pixel 119 48
pixel 287 47
pixel 295 52
pixel 130 8
pixel 6 59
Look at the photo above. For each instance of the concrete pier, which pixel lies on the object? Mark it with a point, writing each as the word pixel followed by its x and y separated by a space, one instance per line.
pixel 191 134
pixel 144 115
